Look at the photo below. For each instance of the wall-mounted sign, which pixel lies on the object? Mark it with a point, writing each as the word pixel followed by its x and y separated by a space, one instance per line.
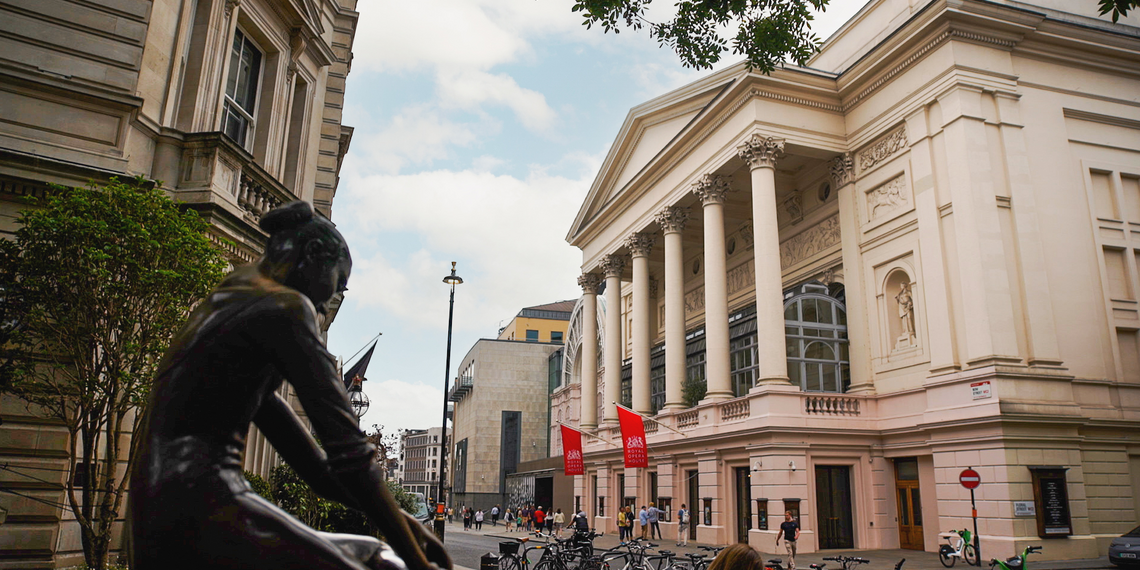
pixel 981 390
pixel 1024 509
pixel 1051 498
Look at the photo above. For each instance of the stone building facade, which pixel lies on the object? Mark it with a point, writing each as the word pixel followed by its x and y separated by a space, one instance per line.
pixel 235 105
pixel 502 408
pixel 844 284
pixel 419 460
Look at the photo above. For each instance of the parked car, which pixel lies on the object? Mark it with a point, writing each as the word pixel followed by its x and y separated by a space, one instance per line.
pixel 1125 551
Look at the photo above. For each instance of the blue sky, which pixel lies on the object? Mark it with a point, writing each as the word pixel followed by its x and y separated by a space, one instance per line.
pixel 480 125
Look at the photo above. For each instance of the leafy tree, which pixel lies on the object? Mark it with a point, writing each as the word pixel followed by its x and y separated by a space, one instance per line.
pixel 259 485
pixel 95 286
pixel 693 391
pixel 768 32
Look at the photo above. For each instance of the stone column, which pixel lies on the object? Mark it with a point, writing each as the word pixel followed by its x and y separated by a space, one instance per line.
pixel 842 181
pixel 712 190
pixel 672 221
pixel 588 369
pixel 760 153
pixel 613 266
pixel 640 245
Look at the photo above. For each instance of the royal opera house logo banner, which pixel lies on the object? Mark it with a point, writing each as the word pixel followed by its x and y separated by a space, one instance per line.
pixel 633 438
pixel 572 451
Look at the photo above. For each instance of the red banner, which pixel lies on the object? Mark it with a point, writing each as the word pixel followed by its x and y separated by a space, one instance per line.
pixel 572 451
pixel 633 438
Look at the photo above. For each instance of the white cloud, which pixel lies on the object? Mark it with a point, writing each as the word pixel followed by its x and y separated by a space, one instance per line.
pixel 487 163
pixel 417 135
pixel 508 235
pixel 396 404
pixel 469 89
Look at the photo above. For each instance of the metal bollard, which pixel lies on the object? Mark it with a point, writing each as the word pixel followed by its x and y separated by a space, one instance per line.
pixel 489 562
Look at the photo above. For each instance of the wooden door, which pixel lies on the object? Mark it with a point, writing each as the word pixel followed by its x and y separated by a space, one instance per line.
pixel 833 506
pixel 910 504
pixel 743 503
pixel 694 502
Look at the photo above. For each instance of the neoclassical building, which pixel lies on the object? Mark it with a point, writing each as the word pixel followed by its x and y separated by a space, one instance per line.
pixel 837 287
pixel 235 105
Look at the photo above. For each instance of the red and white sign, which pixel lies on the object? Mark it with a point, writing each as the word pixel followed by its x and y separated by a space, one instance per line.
pixel 572 451
pixel 970 479
pixel 981 390
pixel 633 438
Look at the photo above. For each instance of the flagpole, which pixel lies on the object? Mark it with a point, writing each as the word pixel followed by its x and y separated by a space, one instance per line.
pixel 587 434
pixel 652 420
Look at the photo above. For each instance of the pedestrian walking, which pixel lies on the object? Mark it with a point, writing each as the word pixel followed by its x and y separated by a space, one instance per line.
pixel 450 515
pixel 509 519
pixel 466 518
pixel 683 526
pixel 790 530
pixel 559 522
pixel 479 519
pixel 654 516
pixel 495 515
pixel 643 519
pixel 539 519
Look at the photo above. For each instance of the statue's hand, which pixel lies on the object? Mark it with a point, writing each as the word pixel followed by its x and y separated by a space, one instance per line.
pixel 431 546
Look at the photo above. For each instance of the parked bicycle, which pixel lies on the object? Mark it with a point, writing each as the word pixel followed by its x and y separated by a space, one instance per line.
pixel 850 563
pixel 960 546
pixel 1015 562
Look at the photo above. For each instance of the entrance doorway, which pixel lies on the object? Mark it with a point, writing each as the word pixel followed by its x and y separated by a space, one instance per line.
pixel 833 505
pixel 910 503
pixel 694 501
pixel 743 503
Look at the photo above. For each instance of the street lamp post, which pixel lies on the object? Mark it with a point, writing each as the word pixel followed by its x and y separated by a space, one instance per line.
pixel 441 504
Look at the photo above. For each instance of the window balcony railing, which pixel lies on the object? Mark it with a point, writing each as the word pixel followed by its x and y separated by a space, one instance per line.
pixel 462 386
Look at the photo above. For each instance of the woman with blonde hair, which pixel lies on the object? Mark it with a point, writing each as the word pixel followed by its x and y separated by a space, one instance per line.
pixel 739 556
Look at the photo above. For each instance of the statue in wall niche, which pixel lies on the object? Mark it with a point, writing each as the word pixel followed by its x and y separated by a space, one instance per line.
pixel 190 505
pixel 906 315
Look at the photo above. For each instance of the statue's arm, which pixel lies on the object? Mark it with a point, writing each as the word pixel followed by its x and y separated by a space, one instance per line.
pixel 281 426
pixel 295 343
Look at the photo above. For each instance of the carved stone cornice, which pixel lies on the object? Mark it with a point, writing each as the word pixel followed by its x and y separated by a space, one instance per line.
pixel 760 151
pixel 230 5
pixel 613 265
pixel 793 207
pixel 672 219
pixel 711 189
pixel 842 170
pixel 640 245
pixel 589 283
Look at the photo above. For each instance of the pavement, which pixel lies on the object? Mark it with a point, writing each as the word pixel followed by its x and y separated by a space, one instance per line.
pixel 880 559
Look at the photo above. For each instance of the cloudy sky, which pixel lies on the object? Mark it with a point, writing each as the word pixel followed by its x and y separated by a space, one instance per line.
pixel 480 125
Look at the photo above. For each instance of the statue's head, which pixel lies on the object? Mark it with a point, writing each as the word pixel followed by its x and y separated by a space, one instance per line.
pixel 305 252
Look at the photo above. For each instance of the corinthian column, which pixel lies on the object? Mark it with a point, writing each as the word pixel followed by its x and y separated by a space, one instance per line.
pixel 612 265
pixel 672 221
pixel 639 247
pixel 712 190
pixel 588 369
pixel 760 153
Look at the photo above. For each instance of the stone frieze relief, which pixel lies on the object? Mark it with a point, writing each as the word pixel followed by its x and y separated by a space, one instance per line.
pixel 810 242
pixel 883 149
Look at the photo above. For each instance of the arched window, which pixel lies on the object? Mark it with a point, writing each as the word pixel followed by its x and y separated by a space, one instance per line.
pixel 816 328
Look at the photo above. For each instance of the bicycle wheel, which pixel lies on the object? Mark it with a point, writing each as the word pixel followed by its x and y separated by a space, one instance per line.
pixel 970 555
pixel 508 562
pixel 945 558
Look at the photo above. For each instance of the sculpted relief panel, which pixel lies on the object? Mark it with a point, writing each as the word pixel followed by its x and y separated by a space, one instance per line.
pixel 810 242
pixel 882 149
pixel 888 197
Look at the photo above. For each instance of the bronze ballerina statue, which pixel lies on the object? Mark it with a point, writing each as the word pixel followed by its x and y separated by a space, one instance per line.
pixel 190 506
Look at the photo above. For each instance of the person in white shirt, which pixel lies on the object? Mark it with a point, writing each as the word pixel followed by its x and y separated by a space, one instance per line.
pixel 683 526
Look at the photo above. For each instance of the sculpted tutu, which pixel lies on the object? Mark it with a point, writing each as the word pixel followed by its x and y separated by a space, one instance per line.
pixel 190 506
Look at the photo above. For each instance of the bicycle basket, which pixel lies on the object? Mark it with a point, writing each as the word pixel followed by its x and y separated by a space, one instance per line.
pixel 508 547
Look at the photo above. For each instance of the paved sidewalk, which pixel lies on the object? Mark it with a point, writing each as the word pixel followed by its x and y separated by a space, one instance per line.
pixel 880 559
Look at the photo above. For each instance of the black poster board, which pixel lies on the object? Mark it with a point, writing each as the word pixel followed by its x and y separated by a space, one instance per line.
pixel 707 510
pixel 1051 495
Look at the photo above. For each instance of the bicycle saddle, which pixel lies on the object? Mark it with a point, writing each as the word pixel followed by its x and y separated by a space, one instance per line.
pixel 696 556
pixel 665 552
pixel 1014 563
pixel 776 561
pixel 818 566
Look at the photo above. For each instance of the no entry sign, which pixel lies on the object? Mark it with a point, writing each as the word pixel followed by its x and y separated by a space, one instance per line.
pixel 970 479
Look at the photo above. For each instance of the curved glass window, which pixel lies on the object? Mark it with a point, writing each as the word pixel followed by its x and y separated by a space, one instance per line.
pixel 816 328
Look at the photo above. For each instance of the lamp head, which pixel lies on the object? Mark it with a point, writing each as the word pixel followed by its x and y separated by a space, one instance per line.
pixel 453 279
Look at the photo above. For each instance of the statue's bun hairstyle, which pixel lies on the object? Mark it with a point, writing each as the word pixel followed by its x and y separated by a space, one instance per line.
pixel 289 217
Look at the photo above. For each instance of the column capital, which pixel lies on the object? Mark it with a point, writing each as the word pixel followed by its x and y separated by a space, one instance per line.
pixel 639 244
pixel 842 170
pixel 672 219
pixel 711 189
pixel 613 265
pixel 589 283
pixel 760 151
pixel 230 5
